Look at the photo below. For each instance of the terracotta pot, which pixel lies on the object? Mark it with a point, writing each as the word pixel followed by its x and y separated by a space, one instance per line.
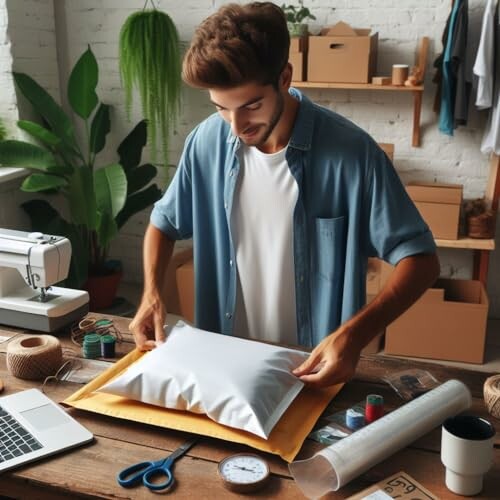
pixel 102 290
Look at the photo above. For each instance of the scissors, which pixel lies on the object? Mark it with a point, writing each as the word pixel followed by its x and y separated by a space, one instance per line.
pixel 145 472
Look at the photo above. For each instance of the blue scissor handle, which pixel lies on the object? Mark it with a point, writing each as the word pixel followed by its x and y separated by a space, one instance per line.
pixel 162 469
pixel 133 475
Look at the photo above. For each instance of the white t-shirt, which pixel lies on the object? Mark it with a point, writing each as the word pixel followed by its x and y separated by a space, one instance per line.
pixel 262 231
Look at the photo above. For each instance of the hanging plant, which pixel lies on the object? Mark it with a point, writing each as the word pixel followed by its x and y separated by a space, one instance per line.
pixel 149 56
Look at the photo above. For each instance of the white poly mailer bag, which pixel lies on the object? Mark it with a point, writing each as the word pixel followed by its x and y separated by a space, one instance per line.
pixel 236 382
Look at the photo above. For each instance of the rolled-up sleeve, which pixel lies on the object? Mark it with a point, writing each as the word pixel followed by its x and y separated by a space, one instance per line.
pixel 173 213
pixel 395 227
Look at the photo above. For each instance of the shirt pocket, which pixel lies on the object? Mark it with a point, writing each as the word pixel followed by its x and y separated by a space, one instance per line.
pixel 330 248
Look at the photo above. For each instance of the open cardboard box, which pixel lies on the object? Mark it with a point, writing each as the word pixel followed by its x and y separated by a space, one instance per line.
pixel 439 205
pixel 342 54
pixel 448 322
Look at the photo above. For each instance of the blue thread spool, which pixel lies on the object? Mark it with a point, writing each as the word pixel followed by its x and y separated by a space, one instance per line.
pixel 354 419
pixel 108 343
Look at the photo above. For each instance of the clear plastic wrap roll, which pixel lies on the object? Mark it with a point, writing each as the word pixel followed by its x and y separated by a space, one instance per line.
pixel 341 462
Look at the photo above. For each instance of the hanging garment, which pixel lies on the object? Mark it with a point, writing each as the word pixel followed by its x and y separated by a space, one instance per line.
pixel 491 138
pixel 484 64
pixel 454 68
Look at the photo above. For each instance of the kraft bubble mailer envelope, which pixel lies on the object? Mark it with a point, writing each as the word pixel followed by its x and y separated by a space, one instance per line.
pixel 285 439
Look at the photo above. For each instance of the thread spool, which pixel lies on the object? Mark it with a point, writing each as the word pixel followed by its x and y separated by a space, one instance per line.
pixel 491 392
pixel 34 357
pixel 399 73
pixel 354 419
pixel 374 407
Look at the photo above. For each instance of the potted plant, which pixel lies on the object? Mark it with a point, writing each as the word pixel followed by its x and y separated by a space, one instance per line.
pixel 97 201
pixel 150 61
pixel 295 15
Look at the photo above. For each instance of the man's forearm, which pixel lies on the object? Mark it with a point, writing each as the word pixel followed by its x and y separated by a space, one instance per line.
pixel 158 249
pixel 411 277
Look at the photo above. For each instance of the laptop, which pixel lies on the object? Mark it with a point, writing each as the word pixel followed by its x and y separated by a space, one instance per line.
pixel 32 426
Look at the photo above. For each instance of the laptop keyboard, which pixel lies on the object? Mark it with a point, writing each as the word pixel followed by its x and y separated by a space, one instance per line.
pixel 15 440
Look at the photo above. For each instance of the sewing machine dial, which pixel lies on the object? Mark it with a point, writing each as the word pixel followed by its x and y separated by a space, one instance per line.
pixel 244 472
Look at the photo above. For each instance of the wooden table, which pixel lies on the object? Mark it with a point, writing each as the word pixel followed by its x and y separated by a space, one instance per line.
pixel 89 471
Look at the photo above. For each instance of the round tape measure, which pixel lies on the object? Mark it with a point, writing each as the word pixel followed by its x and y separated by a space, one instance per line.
pixel 244 472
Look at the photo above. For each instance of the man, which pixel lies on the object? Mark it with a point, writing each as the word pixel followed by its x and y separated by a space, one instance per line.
pixel 285 201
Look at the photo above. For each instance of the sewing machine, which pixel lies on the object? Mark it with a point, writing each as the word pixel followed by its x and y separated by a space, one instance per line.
pixel 30 263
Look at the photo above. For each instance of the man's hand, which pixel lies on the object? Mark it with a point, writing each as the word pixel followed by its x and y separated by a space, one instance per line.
pixel 148 323
pixel 333 361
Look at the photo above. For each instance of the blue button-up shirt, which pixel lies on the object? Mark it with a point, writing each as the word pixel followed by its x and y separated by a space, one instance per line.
pixel 351 205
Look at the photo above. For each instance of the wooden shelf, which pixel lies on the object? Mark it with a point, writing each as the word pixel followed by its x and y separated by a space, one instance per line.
pixel 356 86
pixel 467 243
pixel 417 91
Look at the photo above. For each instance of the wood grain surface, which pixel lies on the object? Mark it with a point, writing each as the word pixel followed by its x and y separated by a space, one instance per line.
pixel 90 471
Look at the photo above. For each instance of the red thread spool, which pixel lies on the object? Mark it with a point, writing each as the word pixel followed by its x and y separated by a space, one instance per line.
pixel 374 408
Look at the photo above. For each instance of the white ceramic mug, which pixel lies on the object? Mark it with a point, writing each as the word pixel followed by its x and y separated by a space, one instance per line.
pixel 466 452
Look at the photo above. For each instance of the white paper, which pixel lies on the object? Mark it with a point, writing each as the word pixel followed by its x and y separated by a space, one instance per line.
pixel 339 463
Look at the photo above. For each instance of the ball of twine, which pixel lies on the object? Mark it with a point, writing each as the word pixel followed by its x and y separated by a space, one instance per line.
pixel 492 395
pixel 33 357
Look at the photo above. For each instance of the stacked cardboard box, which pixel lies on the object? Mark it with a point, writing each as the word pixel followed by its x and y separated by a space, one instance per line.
pixel 298 58
pixel 439 205
pixel 342 54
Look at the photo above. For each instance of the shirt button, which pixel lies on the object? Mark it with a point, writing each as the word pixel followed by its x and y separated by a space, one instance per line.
pixel 229 315
pixel 225 206
pixel 230 262
pixel 230 173
pixel 301 278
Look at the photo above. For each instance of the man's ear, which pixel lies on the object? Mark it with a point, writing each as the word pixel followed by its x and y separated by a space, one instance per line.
pixel 286 76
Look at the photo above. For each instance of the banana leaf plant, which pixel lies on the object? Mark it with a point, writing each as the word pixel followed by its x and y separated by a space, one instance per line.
pixel 98 199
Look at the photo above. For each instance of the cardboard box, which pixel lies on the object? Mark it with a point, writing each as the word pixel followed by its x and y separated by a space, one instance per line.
pixel 388 149
pixel 170 290
pixel 439 205
pixel 185 288
pixel 298 58
pixel 342 54
pixel 448 322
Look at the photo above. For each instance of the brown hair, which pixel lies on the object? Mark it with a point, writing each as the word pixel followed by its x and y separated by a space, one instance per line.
pixel 237 45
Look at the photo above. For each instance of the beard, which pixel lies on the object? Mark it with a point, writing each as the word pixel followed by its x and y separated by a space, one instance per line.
pixel 263 136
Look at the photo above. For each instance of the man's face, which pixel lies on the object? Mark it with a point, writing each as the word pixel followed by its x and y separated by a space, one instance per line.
pixel 252 110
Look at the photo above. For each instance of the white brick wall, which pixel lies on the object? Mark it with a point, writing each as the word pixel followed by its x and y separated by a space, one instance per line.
pixel 387 116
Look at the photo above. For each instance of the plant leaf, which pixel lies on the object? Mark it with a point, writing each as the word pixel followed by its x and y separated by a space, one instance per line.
pixel 40 133
pixel 101 125
pixel 42 182
pixel 61 170
pixel 110 185
pixel 140 177
pixel 47 108
pixel 82 84
pixel 137 202
pixel 130 149
pixel 41 214
pixel 106 229
pixel 24 154
pixel 81 198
